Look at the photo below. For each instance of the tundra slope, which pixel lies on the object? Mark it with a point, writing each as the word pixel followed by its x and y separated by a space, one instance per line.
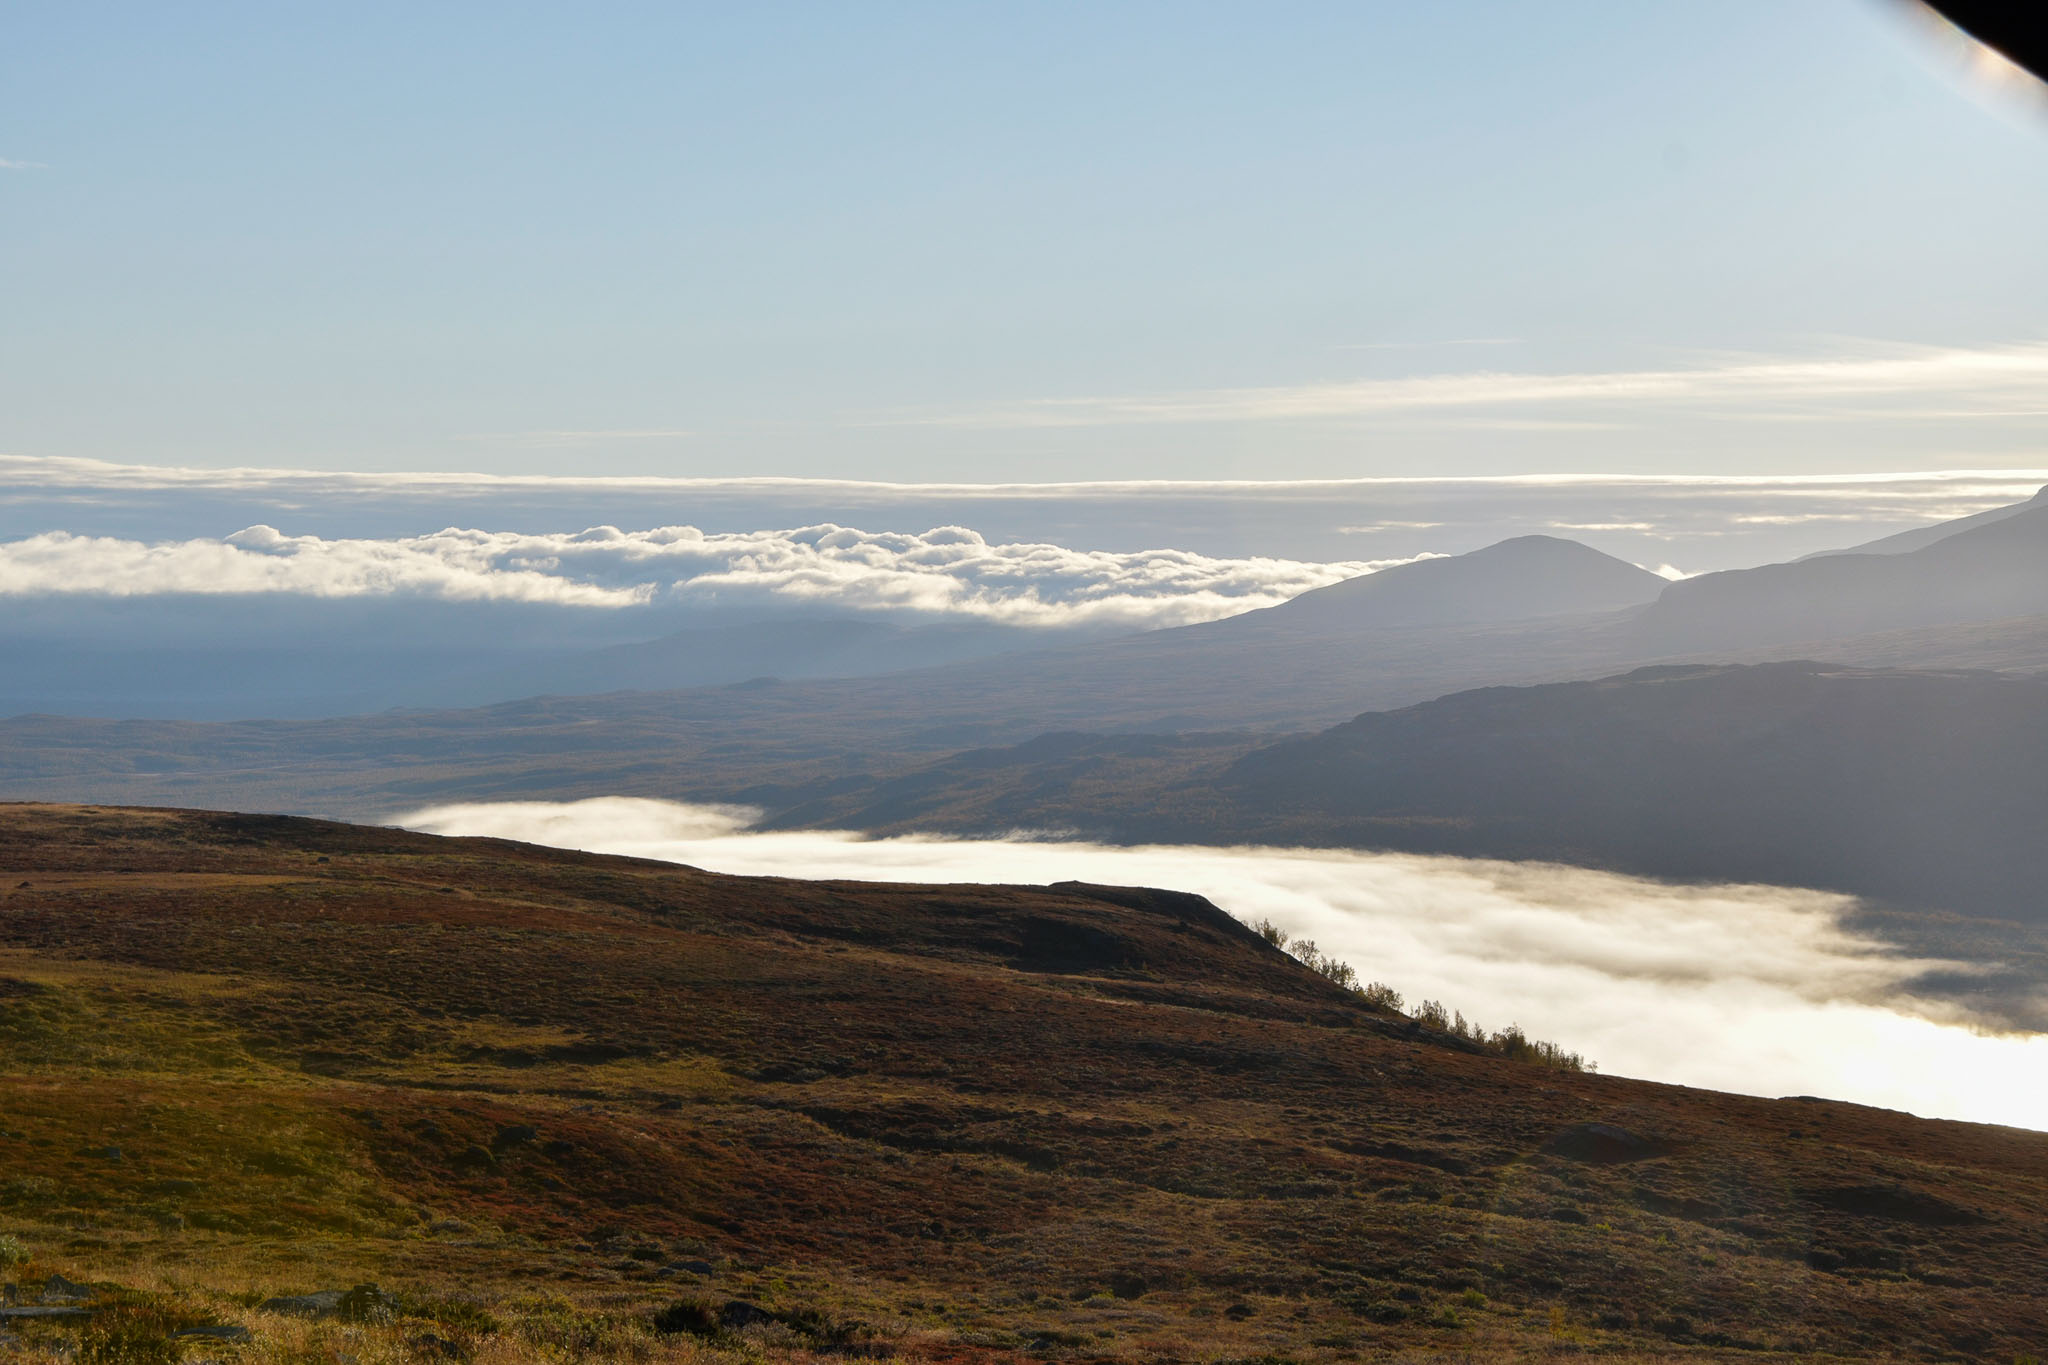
pixel 538 1094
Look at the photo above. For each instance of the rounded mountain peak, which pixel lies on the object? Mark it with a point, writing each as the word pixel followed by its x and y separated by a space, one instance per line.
pixel 1512 580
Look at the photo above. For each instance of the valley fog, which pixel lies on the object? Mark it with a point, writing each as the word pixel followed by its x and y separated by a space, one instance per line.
pixel 1754 989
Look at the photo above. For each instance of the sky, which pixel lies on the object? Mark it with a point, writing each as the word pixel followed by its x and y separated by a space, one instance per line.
pixel 1754 989
pixel 1017 243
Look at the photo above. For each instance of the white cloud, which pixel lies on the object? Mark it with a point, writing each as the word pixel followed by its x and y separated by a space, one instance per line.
pixel 1992 377
pixel 54 474
pixel 1755 989
pixel 948 571
pixel 7 165
pixel 1424 345
pixel 547 439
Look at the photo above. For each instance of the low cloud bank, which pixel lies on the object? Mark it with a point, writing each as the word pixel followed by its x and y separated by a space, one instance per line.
pixel 1754 989
pixel 1697 522
pixel 949 571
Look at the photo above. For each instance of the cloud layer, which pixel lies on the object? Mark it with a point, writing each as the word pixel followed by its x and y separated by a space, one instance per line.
pixel 949 571
pixel 1753 989
pixel 1943 383
pixel 1697 522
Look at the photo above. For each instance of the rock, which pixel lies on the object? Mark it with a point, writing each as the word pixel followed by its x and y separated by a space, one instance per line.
pixel 176 1187
pixel 1603 1144
pixel 1126 1285
pixel 687 1268
pixel 43 1311
pixel 740 1313
pixel 364 1303
pixel 103 1153
pixel 367 1303
pixel 218 1331
pixel 57 1289
pixel 324 1303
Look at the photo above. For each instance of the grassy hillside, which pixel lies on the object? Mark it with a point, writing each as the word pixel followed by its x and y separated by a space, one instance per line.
pixel 565 1107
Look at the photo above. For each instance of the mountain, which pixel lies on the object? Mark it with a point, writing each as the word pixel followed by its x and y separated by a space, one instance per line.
pixel 1923 792
pixel 1990 572
pixel 1521 579
pixel 1286 669
pixel 1916 788
pixel 556 1106
pixel 1278 669
pixel 1920 537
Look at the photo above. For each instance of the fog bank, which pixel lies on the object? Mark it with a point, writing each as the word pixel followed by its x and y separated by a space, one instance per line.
pixel 949 571
pixel 1754 989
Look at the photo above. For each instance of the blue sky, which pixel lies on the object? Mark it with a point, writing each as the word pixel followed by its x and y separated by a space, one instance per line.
pixel 1016 242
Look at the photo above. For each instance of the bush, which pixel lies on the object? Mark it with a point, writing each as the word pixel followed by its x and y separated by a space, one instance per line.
pixel 689 1317
pixel 1322 964
pixel 1511 1042
pixel 1380 996
pixel 13 1251
pixel 129 1334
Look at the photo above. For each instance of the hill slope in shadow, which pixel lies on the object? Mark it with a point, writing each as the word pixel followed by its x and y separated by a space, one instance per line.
pixel 1991 572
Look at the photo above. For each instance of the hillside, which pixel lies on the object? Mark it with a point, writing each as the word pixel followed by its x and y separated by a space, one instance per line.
pixel 1920 537
pixel 1924 792
pixel 1990 572
pixel 1922 788
pixel 537 1096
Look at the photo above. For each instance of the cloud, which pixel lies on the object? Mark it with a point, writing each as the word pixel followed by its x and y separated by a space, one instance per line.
pixel 1755 989
pixel 1425 345
pixel 552 439
pixel 1994 377
pixel 7 165
pixel 1697 520
pixel 52 474
pixel 947 571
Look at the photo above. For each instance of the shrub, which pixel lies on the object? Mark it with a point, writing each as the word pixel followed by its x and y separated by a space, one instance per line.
pixel 1511 1042
pixel 689 1317
pixel 13 1251
pixel 1322 964
pixel 1380 996
pixel 456 1314
pixel 129 1334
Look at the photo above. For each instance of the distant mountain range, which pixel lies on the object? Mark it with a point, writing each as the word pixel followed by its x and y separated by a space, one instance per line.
pixel 1929 789
pixel 1429 690
pixel 1992 570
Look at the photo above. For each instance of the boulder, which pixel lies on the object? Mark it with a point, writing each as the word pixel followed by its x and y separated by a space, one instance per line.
pixel 57 1289
pixel 364 1303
